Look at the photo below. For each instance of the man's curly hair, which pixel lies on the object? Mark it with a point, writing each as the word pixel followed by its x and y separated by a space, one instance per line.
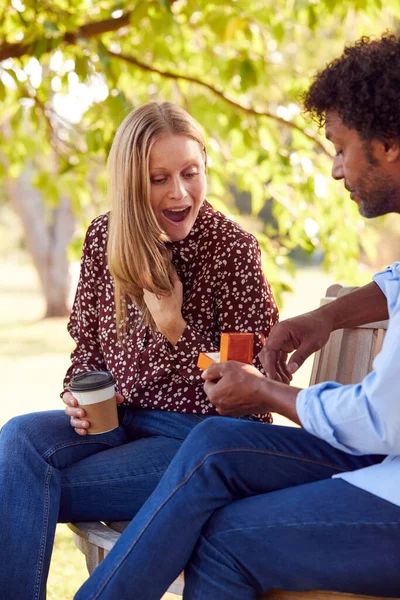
pixel 363 86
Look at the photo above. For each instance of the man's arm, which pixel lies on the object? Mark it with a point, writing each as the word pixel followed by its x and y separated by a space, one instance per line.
pixel 365 305
pixel 309 332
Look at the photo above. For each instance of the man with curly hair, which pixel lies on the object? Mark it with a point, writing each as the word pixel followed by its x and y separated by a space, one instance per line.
pixel 356 98
pixel 251 507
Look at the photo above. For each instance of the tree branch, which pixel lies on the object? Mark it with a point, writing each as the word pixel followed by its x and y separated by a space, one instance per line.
pixel 249 110
pixel 97 28
pixel 89 30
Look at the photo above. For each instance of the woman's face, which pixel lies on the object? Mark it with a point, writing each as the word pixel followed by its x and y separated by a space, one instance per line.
pixel 177 183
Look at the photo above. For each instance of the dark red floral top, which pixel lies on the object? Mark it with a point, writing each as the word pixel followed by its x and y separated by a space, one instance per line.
pixel 224 289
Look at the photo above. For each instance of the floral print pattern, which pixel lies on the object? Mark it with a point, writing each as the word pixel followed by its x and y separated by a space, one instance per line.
pixel 224 290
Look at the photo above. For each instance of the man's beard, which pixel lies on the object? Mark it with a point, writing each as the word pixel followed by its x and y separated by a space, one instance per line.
pixel 378 196
pixel 370 211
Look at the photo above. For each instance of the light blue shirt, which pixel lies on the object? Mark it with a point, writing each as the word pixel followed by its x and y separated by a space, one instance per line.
pixel 365 418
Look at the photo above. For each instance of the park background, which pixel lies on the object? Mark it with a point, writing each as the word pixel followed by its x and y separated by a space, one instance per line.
pixel 69 73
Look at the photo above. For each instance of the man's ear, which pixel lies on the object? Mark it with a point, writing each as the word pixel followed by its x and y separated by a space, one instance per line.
pixel 392 150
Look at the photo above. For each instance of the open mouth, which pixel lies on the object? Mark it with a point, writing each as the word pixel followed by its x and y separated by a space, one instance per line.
pixel 176 215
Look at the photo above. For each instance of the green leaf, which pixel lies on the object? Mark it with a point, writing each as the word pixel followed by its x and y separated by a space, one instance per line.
pixel 94 140
pixel 248 74
pixel 118 107
pixel 40 47
pixel 233 26
pixel 165 4
pixel 81 66
pixel 51 27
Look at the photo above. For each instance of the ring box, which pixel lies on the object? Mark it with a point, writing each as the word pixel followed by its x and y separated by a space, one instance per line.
pixel 234 346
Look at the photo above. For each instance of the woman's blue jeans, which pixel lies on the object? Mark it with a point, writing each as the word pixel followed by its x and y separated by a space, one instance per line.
pixel 248 508
pixel 48 473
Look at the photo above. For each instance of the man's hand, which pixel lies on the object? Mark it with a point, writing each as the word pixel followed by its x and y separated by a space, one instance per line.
pixel 306 334
pixel 167 311
pixel 309 332
pixel 235 388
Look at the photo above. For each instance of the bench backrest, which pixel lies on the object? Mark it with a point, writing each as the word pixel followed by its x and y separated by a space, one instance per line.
pixel 349 353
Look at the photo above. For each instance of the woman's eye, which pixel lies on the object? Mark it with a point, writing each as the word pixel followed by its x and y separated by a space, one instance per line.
pixel 191 174
pixel 157 180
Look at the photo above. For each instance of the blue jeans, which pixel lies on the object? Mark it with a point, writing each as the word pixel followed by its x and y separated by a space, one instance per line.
pixel 248 508
pixel 48 473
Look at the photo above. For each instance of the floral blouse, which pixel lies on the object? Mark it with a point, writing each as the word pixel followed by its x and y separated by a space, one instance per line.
pixel 224 290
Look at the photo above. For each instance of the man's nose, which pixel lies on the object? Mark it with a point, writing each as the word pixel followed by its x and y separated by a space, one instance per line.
pixel 337 168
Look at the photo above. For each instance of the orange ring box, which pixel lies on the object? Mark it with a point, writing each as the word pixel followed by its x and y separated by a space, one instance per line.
pixel 234 346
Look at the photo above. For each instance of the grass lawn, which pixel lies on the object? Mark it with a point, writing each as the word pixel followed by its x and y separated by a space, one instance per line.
pixel 34 357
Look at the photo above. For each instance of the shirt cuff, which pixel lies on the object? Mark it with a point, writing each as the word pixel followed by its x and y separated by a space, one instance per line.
pixel 184 355
pixel 311 414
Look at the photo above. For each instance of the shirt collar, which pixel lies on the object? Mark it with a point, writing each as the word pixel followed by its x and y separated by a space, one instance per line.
pixel 186 250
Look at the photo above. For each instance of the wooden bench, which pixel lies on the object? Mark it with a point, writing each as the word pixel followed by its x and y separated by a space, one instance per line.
pixel 346 358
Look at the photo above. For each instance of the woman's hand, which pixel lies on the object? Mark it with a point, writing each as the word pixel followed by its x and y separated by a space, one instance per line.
pixel 77 414
pixel 167 311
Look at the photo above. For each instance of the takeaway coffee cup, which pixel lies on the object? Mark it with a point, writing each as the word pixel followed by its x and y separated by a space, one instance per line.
pixel 95 393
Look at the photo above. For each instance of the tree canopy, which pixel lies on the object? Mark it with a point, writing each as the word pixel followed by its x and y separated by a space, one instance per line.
pixel 71 69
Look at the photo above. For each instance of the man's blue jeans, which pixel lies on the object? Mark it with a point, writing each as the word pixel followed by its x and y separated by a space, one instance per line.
pixel 48 473
pixel 249 508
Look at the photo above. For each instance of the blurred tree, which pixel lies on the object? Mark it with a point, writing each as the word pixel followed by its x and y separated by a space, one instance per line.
pixel 71 69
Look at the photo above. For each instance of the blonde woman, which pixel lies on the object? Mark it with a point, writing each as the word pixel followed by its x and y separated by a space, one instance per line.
pixel 161 277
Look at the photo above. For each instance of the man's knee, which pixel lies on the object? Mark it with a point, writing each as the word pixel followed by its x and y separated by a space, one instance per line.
pixel 218 433
pixel 215 433
pixel 212 441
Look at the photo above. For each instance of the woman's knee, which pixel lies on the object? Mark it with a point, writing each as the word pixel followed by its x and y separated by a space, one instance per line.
pixel 18 426
pixel 37 430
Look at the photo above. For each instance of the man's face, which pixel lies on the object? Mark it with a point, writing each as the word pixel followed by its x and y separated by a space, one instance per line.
pixel 367 175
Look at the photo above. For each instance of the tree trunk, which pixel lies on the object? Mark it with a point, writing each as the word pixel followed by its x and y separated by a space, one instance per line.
pixel 48 232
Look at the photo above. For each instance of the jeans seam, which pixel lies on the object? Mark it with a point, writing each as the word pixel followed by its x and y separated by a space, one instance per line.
pixel 306 524
pixel 322 463
pixel 99 482
pixel 176 489
pixel 54 449
pixel 44 534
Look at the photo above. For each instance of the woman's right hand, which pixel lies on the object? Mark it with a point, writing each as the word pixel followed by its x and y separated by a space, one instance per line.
pixel 77 414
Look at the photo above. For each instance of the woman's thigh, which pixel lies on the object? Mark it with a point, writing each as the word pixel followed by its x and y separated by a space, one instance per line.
pixel 48 436
pixel 326 535
pixel 113 485
pixel 145 422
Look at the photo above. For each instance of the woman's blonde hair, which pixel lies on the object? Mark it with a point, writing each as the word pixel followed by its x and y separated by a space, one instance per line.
pixel 138 257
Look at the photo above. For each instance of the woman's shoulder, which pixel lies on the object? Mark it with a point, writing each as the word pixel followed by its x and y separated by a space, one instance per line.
pixel 99 226
pixel 228 231
pixel 95 244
